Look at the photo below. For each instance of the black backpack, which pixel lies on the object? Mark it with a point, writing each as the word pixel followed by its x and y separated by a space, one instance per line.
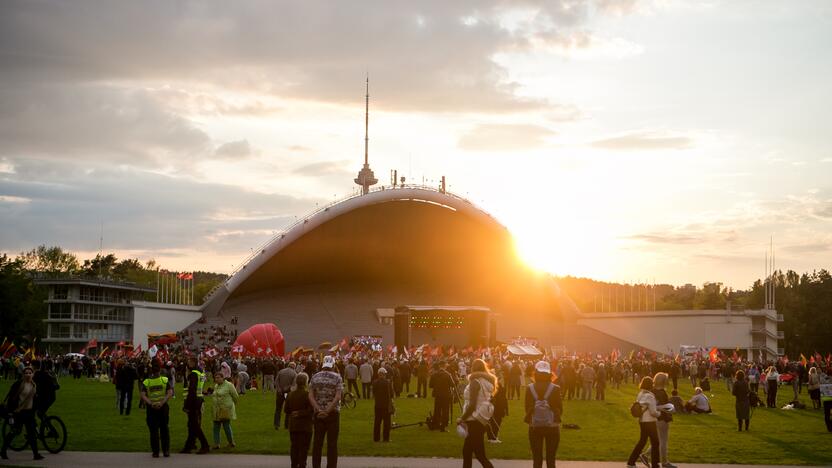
pixel 636 410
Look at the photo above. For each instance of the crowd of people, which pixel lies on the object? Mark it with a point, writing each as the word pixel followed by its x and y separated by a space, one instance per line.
pixel 309 390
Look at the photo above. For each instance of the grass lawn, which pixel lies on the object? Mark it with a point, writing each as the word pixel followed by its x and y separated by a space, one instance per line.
pixel 607 431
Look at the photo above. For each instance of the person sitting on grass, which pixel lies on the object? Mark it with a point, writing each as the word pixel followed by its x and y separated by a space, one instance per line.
pixel 698 403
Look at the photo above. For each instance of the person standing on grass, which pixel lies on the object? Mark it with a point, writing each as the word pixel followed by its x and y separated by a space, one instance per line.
pixel 742 403
pixel 664 419
pixel 193 407
pixel 477 411
pixel 814 387
pixel 422 375
pixel 772 377
pixel 366 373
pixel 500 409
pixel 647 424
pixel 544 408
pixel 299 415
pixel 351 375
pixel 225 409
pixel 383 409
pixel 325 397
pixel 155 392
pixel 443 390
pixel 285 378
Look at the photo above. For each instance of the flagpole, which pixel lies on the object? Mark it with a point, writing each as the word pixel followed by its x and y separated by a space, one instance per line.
pixel 157 284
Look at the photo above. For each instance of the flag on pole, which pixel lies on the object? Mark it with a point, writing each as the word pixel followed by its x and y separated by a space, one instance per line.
pixel 211 352
pixel 93 343
pixel 151 351
pixel 803 360
pixel 10 351
pixel 713 354
pixel 137 352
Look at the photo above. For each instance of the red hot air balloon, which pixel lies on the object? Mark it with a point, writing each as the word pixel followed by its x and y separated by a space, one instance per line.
pixel 263 339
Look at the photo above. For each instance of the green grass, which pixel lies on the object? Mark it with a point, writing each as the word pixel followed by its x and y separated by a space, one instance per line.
pixel 607 431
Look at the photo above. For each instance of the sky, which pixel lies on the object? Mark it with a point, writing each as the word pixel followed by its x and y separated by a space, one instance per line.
pixel 624 140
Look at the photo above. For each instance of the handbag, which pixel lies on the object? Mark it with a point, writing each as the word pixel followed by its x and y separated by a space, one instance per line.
pixel 223 413
pixel 462 430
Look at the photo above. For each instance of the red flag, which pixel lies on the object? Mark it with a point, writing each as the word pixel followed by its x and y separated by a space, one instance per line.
pixel 137 351
pixel 344 344
pixel 93 343
pixel 712 354
pixel 4 345
pixel 10 351
pixel 185 276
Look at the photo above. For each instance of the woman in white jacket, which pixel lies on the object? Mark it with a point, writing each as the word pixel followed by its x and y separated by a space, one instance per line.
pixel 647 424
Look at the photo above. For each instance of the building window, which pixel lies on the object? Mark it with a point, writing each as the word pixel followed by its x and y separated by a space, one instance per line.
pixel 60 311
pixel 59 330
pixel 60 292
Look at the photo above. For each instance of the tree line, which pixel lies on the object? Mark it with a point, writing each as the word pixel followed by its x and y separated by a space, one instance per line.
pixel 805 300
pixel 22 306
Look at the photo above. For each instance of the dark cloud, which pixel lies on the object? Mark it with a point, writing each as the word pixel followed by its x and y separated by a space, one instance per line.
pixel 94 122
pixel 434 55
pixel 60 203
pixel 504 137
pixel 644 141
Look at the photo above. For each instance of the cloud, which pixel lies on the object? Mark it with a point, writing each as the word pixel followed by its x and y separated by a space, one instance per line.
pixel 140 210
pixel 686 235
pixel 324 168
pixel 637 141
pixel 432 59
pixel 234 150
pixel 95 122
pixel 504 137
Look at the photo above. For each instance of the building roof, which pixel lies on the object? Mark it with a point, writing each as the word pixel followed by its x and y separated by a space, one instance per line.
pixel 95 282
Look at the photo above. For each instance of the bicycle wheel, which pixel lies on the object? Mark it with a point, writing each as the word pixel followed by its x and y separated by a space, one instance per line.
pixel 14 434
pixel 349 400
pixel 53 434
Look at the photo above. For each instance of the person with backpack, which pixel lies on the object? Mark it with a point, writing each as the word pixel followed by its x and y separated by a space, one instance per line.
pixel 544 408
pixel 644 408
pixel 478 410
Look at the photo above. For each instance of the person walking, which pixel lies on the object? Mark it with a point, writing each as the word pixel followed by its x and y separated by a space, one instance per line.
pixel 477 411
pixel 366 372
pixel 383 408
pixel 647 424
pixel 500 401
pixel 772 377
pixel 285 379
pixel 225 409
pixel 299 415
pixel 20 400
pixel 325 396
pixel 155 393
pixel 193 407
pixel 742 403
pixel 544 407
pixel 665 418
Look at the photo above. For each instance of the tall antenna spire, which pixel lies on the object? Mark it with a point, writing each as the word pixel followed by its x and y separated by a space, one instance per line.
pixel 367 122
pixel 366 178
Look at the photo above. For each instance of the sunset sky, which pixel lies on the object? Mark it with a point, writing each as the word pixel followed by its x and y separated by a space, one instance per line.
pixel 622 140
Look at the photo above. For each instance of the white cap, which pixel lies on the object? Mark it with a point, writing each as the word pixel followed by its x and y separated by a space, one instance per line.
pixel 543 366
pixel 382 370
pixel 329 361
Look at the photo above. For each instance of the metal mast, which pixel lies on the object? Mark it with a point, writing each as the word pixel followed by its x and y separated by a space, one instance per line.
pixel 366 178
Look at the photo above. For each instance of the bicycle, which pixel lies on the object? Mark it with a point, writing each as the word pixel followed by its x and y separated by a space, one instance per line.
pixel 349 400
pixel 51 432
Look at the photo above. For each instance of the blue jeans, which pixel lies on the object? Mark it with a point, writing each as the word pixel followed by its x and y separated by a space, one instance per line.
pixel 226 425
